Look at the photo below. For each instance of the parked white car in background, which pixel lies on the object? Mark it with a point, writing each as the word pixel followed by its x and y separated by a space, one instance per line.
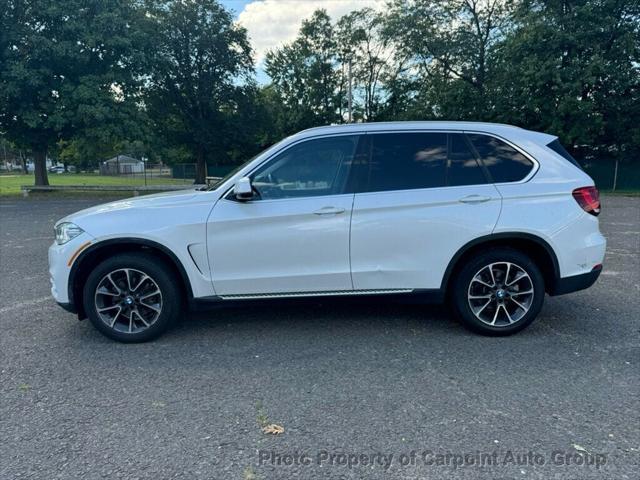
pixel 59 169
pixel 488 217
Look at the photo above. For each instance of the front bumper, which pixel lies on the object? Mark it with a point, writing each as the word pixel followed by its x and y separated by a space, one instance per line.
pixel 59 268
pixel 69 307
pixel 576 282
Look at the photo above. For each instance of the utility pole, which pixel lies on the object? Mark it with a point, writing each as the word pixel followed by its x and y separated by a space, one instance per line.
pixel 4 147
pixel 350 93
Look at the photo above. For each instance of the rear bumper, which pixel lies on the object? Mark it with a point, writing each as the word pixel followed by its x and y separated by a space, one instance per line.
pixel 576 282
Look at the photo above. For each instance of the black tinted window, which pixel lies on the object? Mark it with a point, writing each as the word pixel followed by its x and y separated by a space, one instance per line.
pixel 463 168
pixel 505 164
pixel 308 169
pixel 557 147
pixel 403 161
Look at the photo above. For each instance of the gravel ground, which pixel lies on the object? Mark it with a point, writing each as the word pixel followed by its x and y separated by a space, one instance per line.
pixel 358 386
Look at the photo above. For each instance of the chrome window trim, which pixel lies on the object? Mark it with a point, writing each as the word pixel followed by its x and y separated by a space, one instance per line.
pixel 528 156
pixel 530 175
pixel 284 149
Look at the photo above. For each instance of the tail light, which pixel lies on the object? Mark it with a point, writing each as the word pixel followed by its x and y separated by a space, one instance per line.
pixel 589 199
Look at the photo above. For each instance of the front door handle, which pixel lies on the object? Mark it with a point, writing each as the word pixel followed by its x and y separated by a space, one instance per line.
pixel 475 199
pixel 329 211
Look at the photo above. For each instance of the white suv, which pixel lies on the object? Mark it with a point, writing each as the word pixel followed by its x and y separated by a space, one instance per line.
pixel 486 216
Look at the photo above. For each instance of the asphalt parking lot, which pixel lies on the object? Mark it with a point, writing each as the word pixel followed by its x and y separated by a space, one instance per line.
pixel 357 386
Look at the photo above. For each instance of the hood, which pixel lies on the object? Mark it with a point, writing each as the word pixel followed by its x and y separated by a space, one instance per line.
pixel 155 200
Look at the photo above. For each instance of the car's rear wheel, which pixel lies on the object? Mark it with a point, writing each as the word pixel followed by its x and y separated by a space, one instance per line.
pixel 132 297
pixel 498 292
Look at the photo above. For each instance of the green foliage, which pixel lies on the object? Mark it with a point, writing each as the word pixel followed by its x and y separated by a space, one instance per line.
pixel 173 81
pixel 68 68
pixel 200 77
pixel 569 67
pixel 451 49
pixel 304 77
pixel 363 44
pixel 572 68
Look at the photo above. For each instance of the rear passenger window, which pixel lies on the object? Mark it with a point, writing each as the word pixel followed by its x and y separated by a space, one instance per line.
pixel 404 161
pixel 463 168
pixel 505 164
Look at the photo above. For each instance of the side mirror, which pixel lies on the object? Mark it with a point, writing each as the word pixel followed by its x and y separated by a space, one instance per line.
pixel 243 190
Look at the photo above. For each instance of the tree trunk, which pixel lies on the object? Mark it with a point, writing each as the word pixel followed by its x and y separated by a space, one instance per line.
pixel 40 165
pixel 23 160
pixel 201 168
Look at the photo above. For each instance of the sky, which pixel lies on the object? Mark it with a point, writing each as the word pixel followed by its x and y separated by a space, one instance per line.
pixel 271 23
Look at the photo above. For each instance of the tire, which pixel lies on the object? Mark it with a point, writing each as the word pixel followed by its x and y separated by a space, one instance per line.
pixel 487 303
pixel 132 297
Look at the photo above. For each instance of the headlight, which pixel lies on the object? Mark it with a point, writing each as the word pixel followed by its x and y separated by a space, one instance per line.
pixel 66 231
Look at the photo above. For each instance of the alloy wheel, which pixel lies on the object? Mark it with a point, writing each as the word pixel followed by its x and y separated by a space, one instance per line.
pixel 500 294
pixel 128 300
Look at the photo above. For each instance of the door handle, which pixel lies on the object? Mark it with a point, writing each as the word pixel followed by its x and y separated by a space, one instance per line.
pixel 475 199
pixel 329 211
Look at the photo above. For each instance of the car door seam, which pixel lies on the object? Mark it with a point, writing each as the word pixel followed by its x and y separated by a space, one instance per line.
pixel 495 225
pixel 353 201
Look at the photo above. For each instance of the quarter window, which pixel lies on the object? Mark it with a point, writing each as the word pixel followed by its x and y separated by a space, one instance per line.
pixel 308 169
pixel 403 161
pixel 504 163
pixel 557 147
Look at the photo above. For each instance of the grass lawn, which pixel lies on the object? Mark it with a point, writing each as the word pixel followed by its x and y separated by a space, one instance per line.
pixel 10 184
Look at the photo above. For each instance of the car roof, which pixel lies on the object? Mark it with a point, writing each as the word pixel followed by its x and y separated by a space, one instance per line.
pixel 509 132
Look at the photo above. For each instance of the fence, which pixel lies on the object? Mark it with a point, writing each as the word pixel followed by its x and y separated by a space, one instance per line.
pixel 611 175
pixel 145 172
pixel 135 170
pixel 187 171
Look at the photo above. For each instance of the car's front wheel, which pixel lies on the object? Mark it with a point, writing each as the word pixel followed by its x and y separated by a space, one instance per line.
pixel 498 292
pixel 131 297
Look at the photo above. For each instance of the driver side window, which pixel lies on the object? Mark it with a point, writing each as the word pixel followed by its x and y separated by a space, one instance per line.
pixel 309 169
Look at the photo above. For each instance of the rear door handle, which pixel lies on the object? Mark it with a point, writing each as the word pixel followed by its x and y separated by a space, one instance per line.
pixel 329 211
pixel 475 199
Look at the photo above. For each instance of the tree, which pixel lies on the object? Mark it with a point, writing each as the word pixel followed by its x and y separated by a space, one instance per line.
pixel 572 67
pixel 452 47
pixel 304 76
pixel 199 78
pixel 66 67
pixel 362 42
pixel 291 89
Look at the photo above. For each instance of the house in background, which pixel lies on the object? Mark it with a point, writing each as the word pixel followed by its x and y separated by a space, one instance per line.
pixel 121 165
